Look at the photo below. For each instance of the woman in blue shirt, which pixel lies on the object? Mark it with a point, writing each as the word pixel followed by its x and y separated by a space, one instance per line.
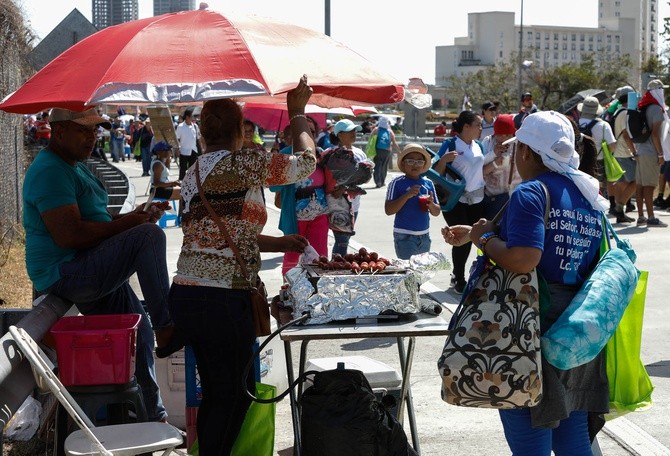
pixel 564 249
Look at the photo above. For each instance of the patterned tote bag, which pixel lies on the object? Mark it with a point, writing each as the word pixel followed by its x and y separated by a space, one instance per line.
pixel 492 356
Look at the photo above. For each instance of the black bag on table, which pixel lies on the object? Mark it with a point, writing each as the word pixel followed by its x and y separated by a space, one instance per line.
pixel 342 416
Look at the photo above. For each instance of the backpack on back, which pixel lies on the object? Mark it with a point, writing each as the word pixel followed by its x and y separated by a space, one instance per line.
pixel 586 129
pixel 637 126
pixel 610 117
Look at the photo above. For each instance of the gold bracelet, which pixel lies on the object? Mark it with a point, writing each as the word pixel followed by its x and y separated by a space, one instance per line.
pixel 296 116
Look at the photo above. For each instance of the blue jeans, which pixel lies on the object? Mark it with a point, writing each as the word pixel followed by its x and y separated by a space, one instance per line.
pixel 341 244
pixel 116 149
pixel 570 438
pixel 217 323
pixel 407 245
pixel 96 280
pixel 146 160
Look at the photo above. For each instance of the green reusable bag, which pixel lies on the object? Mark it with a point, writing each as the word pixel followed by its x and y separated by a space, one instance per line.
pixel 371 148
pixel 137 150
pixel 630 385
pixel 613 170
pixel 257 436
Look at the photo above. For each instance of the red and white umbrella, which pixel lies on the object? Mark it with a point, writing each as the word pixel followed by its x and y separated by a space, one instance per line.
pixel 274 116
pixel 191 56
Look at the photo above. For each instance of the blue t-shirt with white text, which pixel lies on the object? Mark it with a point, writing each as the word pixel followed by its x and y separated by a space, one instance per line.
pixel 571 241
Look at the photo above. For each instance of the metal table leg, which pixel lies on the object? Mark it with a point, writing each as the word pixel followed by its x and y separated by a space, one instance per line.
pixel 295 415
pixel 406 360
pixel 301 366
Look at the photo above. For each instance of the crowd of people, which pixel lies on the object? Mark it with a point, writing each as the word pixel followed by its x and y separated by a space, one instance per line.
pixel 75 249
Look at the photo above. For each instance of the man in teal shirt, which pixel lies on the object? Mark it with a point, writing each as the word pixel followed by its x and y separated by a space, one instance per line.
pixel 77 250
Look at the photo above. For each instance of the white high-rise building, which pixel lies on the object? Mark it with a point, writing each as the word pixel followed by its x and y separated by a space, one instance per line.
pixel 625 27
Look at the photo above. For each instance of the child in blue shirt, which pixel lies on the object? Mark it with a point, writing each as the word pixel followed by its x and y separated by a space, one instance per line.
pixel 411 198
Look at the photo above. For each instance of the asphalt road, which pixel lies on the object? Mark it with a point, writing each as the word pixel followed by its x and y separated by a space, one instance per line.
pixel 445 429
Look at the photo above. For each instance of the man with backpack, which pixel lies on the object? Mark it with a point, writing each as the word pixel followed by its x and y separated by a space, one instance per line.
pixel 624 154
pixel 590 124
pixel 650 153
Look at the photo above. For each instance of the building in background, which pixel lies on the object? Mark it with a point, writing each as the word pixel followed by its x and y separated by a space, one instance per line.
pixel 625 27
pixel 71 30
pixel 172 6
pixel 113 12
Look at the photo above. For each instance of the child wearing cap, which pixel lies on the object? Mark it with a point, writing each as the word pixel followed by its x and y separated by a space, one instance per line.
pixel 411 198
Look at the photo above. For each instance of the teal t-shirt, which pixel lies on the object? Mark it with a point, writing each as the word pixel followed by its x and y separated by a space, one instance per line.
pixel 50 183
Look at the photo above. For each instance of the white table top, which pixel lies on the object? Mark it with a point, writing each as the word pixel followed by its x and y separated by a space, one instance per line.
pixel 416 325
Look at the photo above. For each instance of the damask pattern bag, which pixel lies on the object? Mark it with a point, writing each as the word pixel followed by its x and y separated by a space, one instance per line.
pixel 491 359
pixel 492 356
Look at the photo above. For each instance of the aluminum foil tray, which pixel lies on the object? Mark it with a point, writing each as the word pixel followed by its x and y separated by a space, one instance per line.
pixel 341 295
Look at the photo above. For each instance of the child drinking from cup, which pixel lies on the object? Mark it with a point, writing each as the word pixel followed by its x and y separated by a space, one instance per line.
pixel 411 198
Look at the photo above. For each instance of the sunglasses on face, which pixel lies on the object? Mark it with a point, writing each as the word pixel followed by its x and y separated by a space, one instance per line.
pixel 412 162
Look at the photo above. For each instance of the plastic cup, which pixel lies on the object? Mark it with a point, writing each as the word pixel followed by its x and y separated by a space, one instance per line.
pixel 423 202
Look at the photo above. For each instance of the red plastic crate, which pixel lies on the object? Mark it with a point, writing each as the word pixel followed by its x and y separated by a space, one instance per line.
pixel 96 349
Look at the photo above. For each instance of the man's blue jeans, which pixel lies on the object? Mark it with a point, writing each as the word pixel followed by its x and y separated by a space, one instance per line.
pixel 570 438
pixel 218 325
pixel 96 281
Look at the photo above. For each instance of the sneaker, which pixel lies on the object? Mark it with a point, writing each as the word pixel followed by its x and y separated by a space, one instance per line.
pixel 658 201
pixel 665 204
pixel 630 207
pixel 641 221
pixel 623 218
pixel 655 222
pixel 459 287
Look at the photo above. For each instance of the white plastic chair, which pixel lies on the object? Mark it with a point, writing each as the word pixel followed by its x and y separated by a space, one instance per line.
pixel 114 440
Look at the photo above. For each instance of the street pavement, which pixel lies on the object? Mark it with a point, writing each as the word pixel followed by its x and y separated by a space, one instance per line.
pixel 443 428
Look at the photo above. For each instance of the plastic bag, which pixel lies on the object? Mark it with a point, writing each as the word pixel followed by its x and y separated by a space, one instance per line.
pixel 309 255
pixel 630 385
pixel 25 421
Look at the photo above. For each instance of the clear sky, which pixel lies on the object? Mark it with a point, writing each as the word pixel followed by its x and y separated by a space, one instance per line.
pixel 400 37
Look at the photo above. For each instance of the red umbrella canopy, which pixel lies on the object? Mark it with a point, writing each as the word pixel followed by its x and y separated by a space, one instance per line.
pixel 199 55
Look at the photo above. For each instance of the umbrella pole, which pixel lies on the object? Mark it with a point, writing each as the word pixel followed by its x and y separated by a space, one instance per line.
pixel 281 114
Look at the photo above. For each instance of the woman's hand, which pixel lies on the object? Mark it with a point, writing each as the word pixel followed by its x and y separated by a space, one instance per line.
pixel 449 157
pixel 456 235
pixel 293 243
pixel 479 228
pixel 297 98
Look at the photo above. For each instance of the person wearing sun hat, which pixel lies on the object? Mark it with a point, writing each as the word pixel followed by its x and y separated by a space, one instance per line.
pixel 411 198
pixel 563 249
pixel 592 125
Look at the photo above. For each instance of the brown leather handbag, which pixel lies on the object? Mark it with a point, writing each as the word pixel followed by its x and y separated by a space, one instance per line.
pixel 260 308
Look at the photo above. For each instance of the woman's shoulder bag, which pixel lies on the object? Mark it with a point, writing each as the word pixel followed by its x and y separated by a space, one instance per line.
pixel 491 358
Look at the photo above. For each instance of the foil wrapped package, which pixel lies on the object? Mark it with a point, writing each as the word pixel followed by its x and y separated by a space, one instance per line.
pixel 343 296
pixel 425 264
